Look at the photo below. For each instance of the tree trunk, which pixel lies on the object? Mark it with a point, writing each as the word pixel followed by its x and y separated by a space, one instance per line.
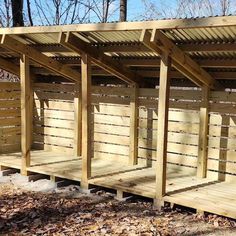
pixel 17 12
pixel 123 10
pixel 29 13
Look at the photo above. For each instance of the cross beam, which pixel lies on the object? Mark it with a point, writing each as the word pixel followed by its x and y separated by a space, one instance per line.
pixel 160 44
pixel 12 68
pixel 9 66
pixel 98 57
pixel 137 47
pixel 55 66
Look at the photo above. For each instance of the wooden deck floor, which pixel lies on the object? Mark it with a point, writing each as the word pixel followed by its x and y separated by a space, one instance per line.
pixel 65 166
pixel 215 197
pixel 183 189
pixel 142 181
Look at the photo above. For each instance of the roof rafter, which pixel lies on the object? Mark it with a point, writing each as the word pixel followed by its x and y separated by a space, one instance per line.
pixel 77 45
pixel 16 46
pixel 160 43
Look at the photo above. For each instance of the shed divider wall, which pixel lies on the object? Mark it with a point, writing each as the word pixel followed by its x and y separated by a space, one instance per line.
pixel 10 117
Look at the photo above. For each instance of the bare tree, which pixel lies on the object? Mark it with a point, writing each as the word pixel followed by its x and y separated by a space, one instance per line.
pixel 123 10
pixel 17 12
pixel 187 8
pixel 225 6
pixel 5 13
pixel 29 12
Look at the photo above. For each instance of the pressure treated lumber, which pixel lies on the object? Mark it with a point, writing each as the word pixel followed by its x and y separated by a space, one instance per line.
pixel 206 22
pixel 137 47
pixel 9 66
pixel 163 106
pixel 14 45
pixel 26 112
pixel 178 56
pixel 97 57
pixel 209 47
pixel 86 119
pixel 159 43
pixel 144 62
pixel 133 153
pixel 78 120
pixel 155 62
pixel 203 134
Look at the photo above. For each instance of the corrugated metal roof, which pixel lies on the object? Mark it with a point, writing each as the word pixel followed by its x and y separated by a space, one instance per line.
pixel 180 36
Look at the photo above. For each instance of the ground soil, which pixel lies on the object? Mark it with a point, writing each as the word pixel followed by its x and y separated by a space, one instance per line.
pixel 39 208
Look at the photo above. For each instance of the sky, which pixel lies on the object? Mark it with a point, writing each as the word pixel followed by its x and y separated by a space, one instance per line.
pixel 136 7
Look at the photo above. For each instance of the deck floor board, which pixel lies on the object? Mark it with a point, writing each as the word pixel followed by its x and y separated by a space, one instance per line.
pixel 182 188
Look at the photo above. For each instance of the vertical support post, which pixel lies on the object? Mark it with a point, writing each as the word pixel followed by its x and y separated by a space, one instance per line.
pixel 162 130
pixel 86 119
pixel 223 145
pixel 26 112
pixel 78 120
pixel 133 148
pixel 203 132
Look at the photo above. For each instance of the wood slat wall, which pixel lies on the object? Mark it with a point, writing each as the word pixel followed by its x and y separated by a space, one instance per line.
pixel 10 139
pixel 54 124
pixel 222 136
pixel 183 127
pixel 53 127
pixel 111 121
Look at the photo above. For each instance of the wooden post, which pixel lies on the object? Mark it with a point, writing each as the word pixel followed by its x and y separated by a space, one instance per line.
pixel 162 130
pixel 86 119
pixel 133 148
pixel 26 112
pixel 203 132
pixel 78 120
pixel 223 145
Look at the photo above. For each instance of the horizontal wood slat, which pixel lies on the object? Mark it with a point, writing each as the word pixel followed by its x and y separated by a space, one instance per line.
pixel 10 120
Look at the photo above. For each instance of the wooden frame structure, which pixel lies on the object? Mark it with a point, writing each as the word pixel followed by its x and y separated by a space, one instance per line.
pixel 88 92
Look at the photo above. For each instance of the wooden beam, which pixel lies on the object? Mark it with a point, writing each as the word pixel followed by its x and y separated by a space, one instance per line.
pixel 203 134
pixel 151 62
pixel 209 47
pixel 26 112
pixel 155 62
pixel 86 119
pixel 137 47
pixel 162 134
pixel 224 75
pixel 160 43
pixel 16 46
pixel 211 63
pixel 78 120
pixel 146 73
pixel 13 68
pixel 9 66
pixel 206 22
pixel 133 148
pixel 50 48
pixel 115 47
pixel 182 59
pixel 124 47
pixel 99 58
